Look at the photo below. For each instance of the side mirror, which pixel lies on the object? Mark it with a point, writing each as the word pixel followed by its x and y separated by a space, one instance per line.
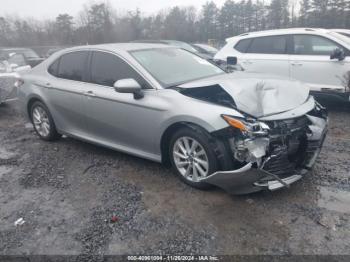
pixel 129 85
pixel 231 60
pixel 338 53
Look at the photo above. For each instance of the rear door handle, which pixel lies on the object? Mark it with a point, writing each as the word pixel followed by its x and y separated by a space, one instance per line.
pixel 247 62
pixel 296 64
pixel 90 93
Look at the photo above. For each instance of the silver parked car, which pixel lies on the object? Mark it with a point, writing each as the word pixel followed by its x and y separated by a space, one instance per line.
pixel 243 132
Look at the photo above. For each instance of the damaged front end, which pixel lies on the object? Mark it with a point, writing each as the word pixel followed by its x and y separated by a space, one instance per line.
pixel 270 154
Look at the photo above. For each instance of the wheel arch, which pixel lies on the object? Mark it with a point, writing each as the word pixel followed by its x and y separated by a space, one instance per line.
pixel 220 146
pixel 30 102
pixel 167 134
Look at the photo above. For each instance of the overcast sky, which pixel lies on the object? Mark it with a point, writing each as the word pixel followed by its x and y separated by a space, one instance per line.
pixel 51 8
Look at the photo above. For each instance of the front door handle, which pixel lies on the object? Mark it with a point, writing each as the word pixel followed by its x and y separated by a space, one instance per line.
pixel 90 93
pixel 46 85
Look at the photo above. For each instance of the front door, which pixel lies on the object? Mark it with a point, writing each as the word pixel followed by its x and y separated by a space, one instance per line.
pixel 311 63
pixel 119 120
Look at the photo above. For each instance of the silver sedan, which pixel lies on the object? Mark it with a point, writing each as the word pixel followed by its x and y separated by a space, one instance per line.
pixel 240 131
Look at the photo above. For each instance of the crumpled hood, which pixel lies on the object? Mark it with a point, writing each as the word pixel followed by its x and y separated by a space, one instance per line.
pixel 258 94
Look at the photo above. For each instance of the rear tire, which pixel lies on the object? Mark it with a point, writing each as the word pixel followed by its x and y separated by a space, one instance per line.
pixel 43 122
pixel 192 156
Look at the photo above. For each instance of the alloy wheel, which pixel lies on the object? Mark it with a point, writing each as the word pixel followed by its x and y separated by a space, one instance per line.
pixel 190 159
pixel 41 121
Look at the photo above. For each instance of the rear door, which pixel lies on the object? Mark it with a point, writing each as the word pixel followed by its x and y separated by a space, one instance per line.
pixel 310 62
pixel 65 92
pixel 267 54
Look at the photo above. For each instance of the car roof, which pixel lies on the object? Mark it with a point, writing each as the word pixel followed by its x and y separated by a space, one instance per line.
pixel 280 32
pixel 122 49
pixel 115 47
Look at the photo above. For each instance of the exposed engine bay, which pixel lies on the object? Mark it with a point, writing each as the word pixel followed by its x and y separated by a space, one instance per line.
pixel 213 94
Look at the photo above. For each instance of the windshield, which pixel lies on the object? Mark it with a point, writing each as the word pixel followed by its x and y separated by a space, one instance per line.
pixel 346 34
pixel 207 48
pixel 341 37
pixel 173 66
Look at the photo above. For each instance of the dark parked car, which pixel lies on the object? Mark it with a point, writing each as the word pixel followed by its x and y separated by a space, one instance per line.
pixel 30 56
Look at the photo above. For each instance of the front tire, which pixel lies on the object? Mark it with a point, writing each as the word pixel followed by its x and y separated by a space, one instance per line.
pixel 43 123
pixel 192 156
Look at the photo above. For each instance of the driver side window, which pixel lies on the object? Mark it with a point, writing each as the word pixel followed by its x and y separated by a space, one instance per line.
pixel 107 68
pixel 313 45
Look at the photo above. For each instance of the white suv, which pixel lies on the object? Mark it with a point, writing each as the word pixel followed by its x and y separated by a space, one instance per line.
pixel 318 57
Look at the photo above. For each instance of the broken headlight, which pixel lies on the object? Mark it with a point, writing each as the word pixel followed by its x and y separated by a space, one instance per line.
pixel 252 145
pixel 247 127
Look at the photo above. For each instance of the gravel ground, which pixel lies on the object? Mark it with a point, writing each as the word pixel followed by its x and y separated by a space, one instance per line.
pixel 68 191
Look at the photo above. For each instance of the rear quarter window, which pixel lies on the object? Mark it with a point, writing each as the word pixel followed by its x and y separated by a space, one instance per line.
pixel 243 45
pixel 53 68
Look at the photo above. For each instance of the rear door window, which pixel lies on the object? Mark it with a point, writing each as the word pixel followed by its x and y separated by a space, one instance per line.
pixel 268 45
pixel 313 45
pixel 72 65
pixel 107 68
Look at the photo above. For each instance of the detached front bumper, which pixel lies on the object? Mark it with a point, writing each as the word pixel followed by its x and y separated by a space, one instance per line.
pixel 253 177
pixel 249 179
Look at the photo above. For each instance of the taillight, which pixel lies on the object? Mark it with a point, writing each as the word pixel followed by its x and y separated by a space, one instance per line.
pixel 19 83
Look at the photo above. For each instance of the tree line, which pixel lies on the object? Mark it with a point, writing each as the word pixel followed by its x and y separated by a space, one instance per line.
pixel 101 23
